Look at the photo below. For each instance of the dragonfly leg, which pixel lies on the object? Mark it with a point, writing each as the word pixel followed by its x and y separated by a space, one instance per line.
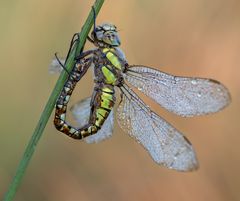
pixel 84 54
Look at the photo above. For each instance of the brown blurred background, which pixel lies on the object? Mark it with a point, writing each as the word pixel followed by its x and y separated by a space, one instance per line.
pixel 188 38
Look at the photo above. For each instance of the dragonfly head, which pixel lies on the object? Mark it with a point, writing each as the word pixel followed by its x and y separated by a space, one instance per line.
pixel 106 35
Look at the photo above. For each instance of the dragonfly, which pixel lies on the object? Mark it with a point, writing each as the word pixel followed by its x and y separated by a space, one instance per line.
pixel 184 96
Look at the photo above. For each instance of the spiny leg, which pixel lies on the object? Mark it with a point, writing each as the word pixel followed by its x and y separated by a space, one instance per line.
pixel 73 41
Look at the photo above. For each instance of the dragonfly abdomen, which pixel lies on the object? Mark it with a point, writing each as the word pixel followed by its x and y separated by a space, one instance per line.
pixel 61 105
pixel 102 104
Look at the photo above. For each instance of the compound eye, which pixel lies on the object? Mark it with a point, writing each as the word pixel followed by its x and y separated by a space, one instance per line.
pixel 106 27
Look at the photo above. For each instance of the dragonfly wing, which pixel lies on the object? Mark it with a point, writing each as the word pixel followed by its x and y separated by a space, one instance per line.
pixel 81 113
pixel 166 145
pixel 184 96
pixel 55 67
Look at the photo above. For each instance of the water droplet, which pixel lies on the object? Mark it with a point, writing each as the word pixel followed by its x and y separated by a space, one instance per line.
pixel 194 82
pixel 199 94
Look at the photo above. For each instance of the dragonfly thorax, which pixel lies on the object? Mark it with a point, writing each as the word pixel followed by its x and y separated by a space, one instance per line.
pixel 109 66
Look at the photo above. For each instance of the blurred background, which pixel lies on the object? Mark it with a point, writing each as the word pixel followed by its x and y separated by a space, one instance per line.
pixel 187 38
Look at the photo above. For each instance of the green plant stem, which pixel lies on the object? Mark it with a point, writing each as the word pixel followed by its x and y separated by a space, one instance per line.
pixel 50 105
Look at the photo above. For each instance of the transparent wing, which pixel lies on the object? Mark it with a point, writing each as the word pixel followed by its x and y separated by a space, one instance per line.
pixel 184 96
pixel 81 112
pixel 164 143
pixel 54 66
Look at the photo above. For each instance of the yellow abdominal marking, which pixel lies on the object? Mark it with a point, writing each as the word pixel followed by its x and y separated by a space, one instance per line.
pixel 106 103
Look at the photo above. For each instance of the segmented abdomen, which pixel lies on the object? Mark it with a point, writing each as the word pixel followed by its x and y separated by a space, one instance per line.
pixel 61 105
pixel 101 105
